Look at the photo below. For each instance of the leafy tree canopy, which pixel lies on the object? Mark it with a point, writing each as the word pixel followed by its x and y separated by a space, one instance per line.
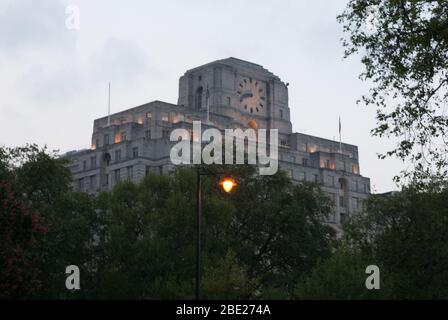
pixel 404 48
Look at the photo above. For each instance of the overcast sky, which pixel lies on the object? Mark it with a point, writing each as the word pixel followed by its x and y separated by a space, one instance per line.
pixel 54 80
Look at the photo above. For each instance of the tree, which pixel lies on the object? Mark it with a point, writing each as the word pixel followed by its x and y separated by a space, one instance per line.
pixel 21 230
pixel 37 184
pixel 341 276
pixel 404 48
pixel 260 238
pixel 407 234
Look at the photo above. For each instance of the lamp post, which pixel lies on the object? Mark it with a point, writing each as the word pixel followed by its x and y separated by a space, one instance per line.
pixel 227 184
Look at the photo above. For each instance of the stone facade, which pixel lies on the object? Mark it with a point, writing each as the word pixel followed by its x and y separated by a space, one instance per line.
pixel 225 94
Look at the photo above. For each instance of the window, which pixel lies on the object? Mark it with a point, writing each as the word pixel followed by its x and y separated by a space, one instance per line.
pixel 130 173
pixel 135 152
pixel 331 181
pixel 302 176
pixel 199 78
pixel 160 169
pixel 165 117
pixel 147 170
pixel 84 165
pixel 117 155
pixel 341 202
pixel 199 98
pixel 106 139
pixel 81 184
pixel 165 133
pixel 123 136
pixel 281 114
pixel 117 175
pixel 283 142
pixel 316 178
pixel 148 134
pixel 289 173
pixel 149 116
pixel 355 186
pixel 327 164
pixel 228 101
pixel 354 203
pixel 107 159
pixel 93 183
pixel 106 179
pixel 93 162
pixel 305 162
pixel 97 143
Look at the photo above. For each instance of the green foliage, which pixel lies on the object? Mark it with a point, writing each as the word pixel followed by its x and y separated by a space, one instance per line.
pixel 138 241
pixel 249 237
pixel 405 235
pixel 264 240
pixel 404 48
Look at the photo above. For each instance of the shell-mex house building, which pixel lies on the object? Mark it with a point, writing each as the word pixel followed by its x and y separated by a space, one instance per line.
pixel 224 94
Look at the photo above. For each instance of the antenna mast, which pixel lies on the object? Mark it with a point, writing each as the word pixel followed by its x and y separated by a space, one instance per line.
pixel 108 109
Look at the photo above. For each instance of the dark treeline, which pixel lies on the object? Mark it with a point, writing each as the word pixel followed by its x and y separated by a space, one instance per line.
pixel 265 240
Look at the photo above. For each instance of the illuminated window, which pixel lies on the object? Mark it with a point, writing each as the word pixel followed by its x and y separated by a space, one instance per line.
pixel 165 117
pixel 149 116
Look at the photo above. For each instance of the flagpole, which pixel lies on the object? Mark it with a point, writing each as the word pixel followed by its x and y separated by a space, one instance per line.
pixel 340 139
pixel 108 109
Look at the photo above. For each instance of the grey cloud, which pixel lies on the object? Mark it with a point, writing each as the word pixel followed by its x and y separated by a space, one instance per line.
pixel 31 24
pixel 119 60
pixel 49 86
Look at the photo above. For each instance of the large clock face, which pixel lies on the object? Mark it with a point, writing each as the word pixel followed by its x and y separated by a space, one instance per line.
pixel 252 95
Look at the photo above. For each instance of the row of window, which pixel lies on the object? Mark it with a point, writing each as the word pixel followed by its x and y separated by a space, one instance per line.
pixel 356 203
pixel 93 181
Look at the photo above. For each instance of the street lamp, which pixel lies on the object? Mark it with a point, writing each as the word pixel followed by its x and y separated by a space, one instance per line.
pixel 227 184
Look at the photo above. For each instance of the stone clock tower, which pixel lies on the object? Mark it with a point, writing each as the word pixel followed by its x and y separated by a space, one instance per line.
pixel 239 90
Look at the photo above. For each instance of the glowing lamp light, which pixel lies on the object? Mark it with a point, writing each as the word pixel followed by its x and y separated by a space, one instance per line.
pixel 227 184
